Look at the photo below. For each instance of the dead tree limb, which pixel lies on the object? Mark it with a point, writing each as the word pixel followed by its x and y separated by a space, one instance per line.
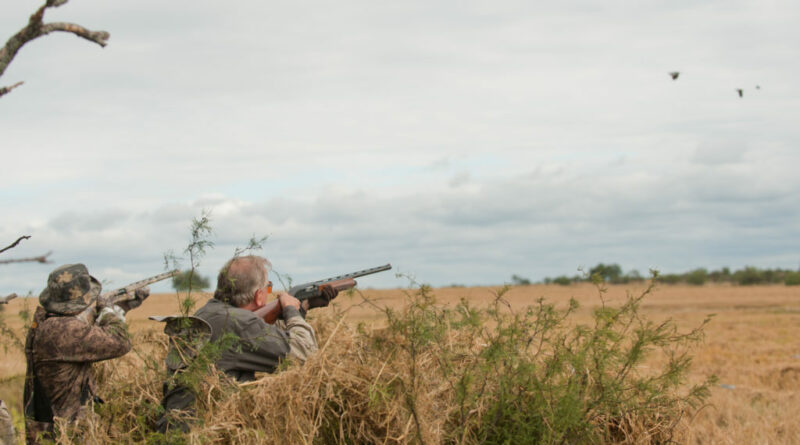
pixel 34 259
pixel 6 90
pixel 14 244
pixel 37 28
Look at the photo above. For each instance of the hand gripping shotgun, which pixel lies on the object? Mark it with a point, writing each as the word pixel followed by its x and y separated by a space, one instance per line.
pixel 123 294
pixel 272 310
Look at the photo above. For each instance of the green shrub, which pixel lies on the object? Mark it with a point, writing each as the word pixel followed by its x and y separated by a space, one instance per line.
pixel 609 272
pixel 190 279
pixel 634 277
pixel 563 280
pixel 720 276
pixel 520 281
pixel 697 277
pixel 748 276
pixel 542 379
pixel 670 278
pixel 792 278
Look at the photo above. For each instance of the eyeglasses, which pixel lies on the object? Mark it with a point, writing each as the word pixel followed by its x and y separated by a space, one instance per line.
pixel 269 287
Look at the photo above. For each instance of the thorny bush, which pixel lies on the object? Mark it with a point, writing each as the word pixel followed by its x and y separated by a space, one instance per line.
pixel 433 374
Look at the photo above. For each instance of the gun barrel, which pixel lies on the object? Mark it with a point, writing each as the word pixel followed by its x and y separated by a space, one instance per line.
pixel 138 284
pixel 357 274
pixel 298 290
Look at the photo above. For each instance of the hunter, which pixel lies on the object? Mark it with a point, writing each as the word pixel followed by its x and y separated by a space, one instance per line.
pixel 67 335
pixel 242 287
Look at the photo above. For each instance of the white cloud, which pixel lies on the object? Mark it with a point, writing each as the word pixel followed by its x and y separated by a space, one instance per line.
pixel 720 152
pixel 462 141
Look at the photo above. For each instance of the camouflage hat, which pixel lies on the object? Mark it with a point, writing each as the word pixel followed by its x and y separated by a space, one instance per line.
pixel 70 290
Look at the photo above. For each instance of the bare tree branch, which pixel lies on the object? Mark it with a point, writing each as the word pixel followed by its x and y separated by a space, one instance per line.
pixel 7 298
pixel 99 37
pixel 14 244
pixel 6 90
pixel 37 28
pixel 34 259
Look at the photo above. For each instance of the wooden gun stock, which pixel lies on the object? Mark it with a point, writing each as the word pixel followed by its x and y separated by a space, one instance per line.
pixel 272 311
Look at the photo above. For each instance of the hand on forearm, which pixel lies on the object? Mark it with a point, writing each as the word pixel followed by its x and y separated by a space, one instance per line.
pixel 326 294
pixel 138 297
pixel 287 300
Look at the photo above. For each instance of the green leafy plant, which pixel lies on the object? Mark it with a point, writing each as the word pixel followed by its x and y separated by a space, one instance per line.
pixel 200 232
pixel 538 377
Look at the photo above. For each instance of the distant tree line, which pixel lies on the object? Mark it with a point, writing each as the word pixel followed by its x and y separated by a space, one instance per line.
pixel 190 280
pixel 613 274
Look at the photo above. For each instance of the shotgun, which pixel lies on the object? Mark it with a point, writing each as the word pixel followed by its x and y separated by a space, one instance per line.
pixel 122 294
pixel 272 310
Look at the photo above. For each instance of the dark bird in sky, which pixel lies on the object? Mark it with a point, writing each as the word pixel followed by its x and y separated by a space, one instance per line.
pixel 758 87
pixel 674 75
pixel 741 93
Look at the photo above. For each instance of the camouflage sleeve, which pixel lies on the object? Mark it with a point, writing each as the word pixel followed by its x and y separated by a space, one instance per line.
pixel 302 339
pixel 73 340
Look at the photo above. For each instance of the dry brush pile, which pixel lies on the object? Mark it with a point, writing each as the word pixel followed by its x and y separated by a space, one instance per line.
pixel 431 375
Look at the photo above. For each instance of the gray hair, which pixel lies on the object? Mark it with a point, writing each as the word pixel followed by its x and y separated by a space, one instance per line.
pixel 240 278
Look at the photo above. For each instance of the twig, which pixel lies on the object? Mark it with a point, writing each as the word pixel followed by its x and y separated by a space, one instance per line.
pixel 14 244
pixel 34 259
pixel 6 90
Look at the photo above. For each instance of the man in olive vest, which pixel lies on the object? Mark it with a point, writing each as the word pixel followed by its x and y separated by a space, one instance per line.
pixel 243 286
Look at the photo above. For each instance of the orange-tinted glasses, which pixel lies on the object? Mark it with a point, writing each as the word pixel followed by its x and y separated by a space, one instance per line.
pixel 269 287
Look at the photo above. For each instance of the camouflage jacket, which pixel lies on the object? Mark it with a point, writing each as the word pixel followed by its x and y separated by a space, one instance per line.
pixel 62 350
pixel 260 346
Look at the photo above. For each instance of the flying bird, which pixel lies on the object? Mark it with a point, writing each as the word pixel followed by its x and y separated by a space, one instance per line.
pixel 758 87
pixel 741 93
pixel 675 74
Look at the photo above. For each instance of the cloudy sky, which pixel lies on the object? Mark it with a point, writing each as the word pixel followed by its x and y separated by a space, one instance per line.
pixel 462 141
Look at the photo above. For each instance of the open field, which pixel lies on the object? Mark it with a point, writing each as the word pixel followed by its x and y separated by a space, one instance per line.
pixel 751 345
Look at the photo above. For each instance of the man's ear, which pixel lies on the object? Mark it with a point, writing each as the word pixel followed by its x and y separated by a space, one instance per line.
pixel 261 298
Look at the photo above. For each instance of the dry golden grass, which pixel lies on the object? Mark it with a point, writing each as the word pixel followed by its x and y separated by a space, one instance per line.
pixel 751 344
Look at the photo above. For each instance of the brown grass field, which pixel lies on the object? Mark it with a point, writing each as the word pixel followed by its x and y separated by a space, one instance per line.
pixel 751 344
